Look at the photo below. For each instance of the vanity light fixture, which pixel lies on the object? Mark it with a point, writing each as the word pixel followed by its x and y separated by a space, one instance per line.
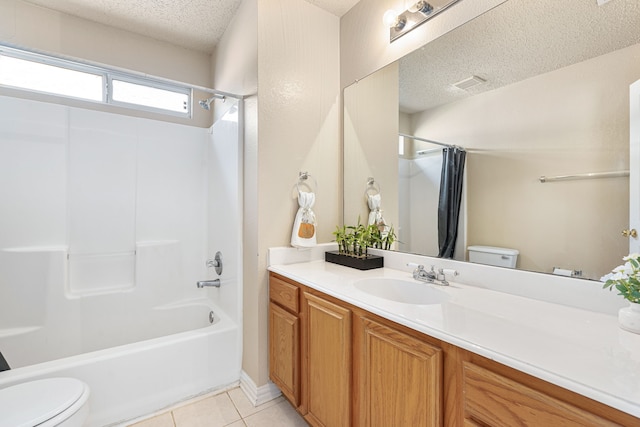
pixel 401 23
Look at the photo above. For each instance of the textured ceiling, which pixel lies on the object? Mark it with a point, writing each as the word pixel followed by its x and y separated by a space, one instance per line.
pixel 194 24
pixel 516 40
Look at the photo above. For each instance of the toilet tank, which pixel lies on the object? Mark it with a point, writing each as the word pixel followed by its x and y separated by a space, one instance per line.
pixel 491 255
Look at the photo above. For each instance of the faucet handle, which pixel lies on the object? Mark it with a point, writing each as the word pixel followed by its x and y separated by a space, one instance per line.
pixel 444 272
pixel 448 272
pixel 416 266
pixel 216 263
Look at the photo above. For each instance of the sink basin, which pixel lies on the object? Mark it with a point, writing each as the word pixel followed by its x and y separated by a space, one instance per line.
pixel 399 290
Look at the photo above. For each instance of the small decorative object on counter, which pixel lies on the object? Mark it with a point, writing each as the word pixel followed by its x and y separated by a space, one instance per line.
pixel 626 279
pixel 354 242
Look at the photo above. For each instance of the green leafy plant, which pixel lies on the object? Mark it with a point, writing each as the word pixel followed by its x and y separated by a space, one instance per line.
pixel 389 238
pixel 625 278
pixel 355 240
pixel 340 237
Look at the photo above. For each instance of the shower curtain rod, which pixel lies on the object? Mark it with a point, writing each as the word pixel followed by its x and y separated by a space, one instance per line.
pixel 431 141
pixel 590 175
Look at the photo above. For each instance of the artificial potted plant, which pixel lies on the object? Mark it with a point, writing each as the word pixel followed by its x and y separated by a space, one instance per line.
pixel 354 242
pixel 626 279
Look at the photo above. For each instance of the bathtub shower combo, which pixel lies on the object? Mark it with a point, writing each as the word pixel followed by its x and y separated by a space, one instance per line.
pixel 107 225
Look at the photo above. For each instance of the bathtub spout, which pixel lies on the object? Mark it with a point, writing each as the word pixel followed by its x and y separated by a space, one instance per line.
pixel 215 283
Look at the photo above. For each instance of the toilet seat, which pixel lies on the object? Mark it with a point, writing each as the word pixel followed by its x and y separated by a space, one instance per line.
pixel 41 403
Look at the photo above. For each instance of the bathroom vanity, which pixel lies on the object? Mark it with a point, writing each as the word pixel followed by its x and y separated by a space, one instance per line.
pixel 344 353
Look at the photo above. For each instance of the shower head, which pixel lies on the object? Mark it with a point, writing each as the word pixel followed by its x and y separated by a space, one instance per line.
pixel 206 103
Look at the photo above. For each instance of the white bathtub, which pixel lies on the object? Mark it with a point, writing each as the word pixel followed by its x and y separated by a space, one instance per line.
pixel 131 380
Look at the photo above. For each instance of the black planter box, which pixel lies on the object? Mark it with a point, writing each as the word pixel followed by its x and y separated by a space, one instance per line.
pixel 368 263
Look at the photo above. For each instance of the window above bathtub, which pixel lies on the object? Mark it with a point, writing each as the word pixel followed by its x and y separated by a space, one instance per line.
pixel 34 72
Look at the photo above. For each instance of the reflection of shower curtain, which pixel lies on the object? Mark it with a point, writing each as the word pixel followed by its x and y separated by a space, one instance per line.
pixel 450 198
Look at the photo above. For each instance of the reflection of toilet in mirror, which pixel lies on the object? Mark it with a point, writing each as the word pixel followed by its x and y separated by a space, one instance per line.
pixel 52 402
pixel 491 255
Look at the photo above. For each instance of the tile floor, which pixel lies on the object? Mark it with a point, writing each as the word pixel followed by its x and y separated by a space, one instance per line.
pixel 230 408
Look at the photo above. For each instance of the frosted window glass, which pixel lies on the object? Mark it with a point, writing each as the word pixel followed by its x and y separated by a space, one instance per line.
pixel 133 93
pixel 51 79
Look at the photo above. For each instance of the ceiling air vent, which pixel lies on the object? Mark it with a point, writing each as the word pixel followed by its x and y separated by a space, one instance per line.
pixel 469 82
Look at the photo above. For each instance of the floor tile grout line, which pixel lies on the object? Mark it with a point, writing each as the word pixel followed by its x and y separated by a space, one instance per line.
pixel 235 406
pixel 242 418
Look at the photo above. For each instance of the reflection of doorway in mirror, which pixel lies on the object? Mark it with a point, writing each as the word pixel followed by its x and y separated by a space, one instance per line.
pixel 634 165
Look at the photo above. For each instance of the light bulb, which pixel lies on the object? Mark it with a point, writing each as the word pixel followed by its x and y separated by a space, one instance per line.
pixel 422 7
pixel 390 18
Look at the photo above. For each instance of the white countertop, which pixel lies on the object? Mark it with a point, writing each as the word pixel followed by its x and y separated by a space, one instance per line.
pixel 580 350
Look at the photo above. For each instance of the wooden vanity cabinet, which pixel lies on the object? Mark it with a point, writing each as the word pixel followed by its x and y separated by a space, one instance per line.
pixel 492 394
pixel 493 399
pixel 310 352
pixel 399 377
pixel 284 337
pixel 340 365
pixel 327 363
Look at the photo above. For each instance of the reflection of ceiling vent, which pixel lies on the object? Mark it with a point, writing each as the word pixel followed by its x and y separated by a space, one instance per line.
pixel 469 82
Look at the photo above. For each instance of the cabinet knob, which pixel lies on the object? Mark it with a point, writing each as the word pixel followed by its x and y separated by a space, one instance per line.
pixel 630 233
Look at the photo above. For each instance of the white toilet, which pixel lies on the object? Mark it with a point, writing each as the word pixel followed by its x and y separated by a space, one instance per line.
pixel 59 402
pixel 491 255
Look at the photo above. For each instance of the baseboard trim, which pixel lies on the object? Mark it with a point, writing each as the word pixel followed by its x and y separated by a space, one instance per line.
pixel 258 395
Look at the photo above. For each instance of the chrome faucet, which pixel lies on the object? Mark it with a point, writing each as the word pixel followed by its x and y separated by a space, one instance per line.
pixel 423 275
pixel 431 276
pixel 214 283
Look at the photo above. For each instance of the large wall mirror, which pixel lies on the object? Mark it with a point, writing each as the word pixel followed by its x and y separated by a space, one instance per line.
pixel 528 89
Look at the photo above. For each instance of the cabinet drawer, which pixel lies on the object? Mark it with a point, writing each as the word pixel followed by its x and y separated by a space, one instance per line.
pixel 494 400
pixel 285 294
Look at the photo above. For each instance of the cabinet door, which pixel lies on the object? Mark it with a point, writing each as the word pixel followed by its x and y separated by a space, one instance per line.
pixel 328 362
pixel 400 379
pixel 493 400
pixel 284 352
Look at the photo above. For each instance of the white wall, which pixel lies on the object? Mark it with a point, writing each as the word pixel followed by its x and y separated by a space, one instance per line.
pixel 370 132
pixel 298 130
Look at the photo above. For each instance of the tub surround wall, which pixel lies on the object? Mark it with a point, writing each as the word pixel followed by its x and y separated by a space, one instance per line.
pixel 224 208
pixel 64 191
pixel 62 206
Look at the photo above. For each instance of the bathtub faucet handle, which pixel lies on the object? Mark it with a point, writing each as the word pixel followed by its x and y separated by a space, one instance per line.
pixel 216 263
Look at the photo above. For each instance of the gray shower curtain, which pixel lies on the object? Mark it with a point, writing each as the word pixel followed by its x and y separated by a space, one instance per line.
pixel 450 197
